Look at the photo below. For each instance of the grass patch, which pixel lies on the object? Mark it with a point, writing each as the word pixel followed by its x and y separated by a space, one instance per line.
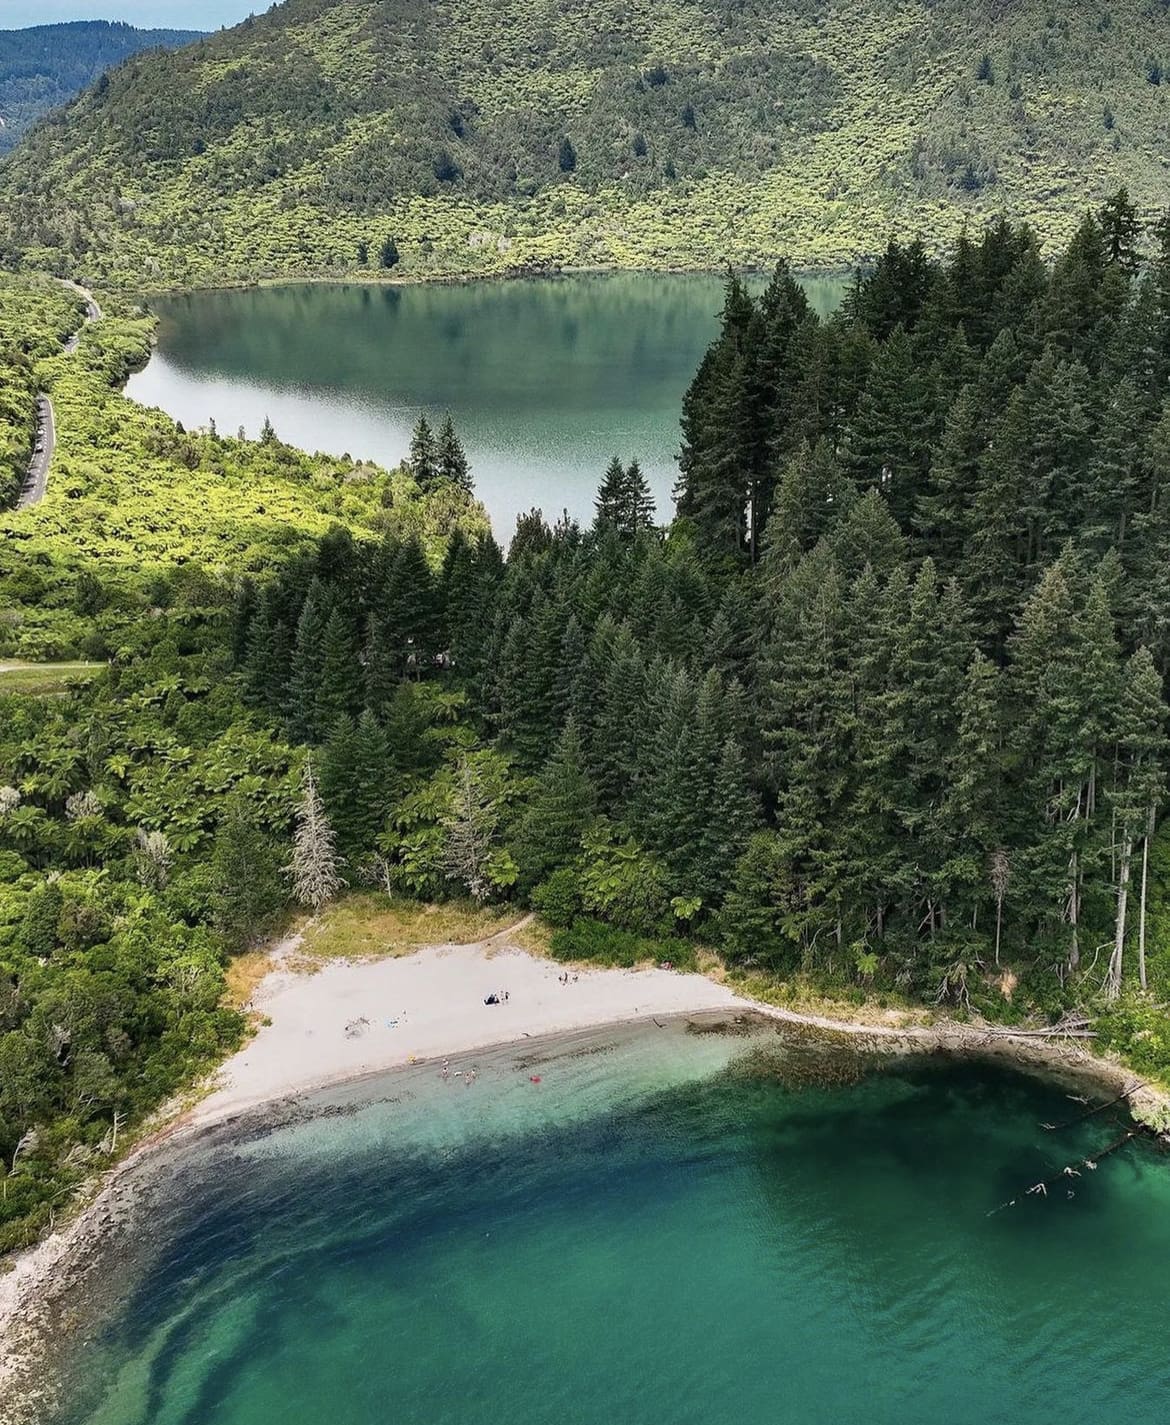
pixel 370 926
pixel 807 997
pixel 243 974
pixel 44 678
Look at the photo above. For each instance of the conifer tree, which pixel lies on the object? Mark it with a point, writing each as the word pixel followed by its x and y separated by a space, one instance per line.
pixel 308 665
pixel 382 672
pixel 424 455
pixel 315 868
pixel 1141 745
pixel 610 502
pixel 245 877
pixel 340 691
pixel 266 664
pixel 561 808
pixel 1121 230
pixel 411 614
pixel 889 439
pixel 614 748
pixel 355 764
pixel 449 457
pixel 472 828
pixel 638 502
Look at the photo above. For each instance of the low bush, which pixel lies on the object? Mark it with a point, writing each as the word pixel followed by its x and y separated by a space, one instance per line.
pixel 603 944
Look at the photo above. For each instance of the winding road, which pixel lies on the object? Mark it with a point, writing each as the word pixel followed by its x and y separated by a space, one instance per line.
pixel 37 479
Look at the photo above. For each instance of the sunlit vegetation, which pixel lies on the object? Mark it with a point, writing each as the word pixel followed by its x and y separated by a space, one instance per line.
pixel 377 136
pixel 44 677
pixel 36 316
pixel 145 810
pixel 141 515
pixel 369 925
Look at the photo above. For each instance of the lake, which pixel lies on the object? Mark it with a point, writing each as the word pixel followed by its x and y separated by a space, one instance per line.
pixel 667 1227
pixel 546 379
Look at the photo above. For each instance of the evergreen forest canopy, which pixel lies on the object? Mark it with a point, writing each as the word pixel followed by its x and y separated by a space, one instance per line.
pixel 45 66
pixel 335 136
pixel 883 709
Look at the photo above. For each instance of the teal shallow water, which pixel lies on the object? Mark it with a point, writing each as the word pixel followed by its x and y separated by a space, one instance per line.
pixel 645 1236
pixel 546 379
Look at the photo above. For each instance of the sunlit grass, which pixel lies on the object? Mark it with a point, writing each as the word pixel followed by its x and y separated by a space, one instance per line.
pixel 371 926
pixel 44 678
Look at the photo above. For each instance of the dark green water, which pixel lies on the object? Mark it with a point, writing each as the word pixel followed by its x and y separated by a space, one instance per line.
pixel 645 1237
pixel 546 379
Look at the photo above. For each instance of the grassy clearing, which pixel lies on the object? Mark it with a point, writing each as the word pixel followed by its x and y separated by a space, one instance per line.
pixel 44 678
pixel 371 926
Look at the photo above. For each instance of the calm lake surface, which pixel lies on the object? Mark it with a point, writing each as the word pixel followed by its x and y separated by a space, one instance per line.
pixel 546 379
pixel 668 1227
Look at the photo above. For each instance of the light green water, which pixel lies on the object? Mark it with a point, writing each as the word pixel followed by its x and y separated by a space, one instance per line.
pixel 665 1228
pixel 547 379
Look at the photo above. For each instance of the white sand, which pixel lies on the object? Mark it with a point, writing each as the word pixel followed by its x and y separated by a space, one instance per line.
pixel 436 996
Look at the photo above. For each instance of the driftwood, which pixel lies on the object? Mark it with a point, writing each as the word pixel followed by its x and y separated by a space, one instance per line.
pixel 1090 1113
pixel 1069 1172
pixel 1071 1026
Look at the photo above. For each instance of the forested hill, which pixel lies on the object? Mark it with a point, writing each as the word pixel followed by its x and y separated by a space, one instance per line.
pixel 333 135
pixel 47 65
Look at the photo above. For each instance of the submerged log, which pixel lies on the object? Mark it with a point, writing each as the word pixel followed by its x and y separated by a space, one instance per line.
pixel 1090 1113
pixel 1069 1171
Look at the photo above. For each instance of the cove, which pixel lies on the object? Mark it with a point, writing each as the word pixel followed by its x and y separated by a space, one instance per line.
pixel 667 1227
pixel 546 379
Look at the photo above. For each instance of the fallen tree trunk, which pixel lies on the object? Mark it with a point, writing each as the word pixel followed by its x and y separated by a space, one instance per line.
pixel 1069 1172
pixel 1101 1107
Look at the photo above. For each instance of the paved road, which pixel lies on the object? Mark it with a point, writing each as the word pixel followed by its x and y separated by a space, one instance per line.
pixel 38 470
pixel 37 479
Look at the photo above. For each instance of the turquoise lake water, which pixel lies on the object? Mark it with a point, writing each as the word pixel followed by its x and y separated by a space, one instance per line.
pixel 546 379
pixel 666 1228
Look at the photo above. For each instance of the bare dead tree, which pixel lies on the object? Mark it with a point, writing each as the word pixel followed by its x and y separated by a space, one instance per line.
pixel 999 871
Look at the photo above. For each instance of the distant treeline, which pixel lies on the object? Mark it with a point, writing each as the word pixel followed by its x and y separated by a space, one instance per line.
pixel 45 66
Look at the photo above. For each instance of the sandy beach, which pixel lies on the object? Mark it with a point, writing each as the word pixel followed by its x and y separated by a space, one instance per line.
pixel 327 1022
pixel 348 1020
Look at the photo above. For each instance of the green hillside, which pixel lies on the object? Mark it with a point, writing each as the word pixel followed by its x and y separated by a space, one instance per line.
pixel 337 135
pixel 47 65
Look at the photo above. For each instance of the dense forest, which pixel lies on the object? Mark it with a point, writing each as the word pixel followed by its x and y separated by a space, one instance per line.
pixel 889 694
pixel 144 816
pixel 45 66
pixel 339 135
pixel 882 710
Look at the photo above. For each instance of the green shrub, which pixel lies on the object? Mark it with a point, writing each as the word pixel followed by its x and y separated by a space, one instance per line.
pixel 558 899
pixel 603 944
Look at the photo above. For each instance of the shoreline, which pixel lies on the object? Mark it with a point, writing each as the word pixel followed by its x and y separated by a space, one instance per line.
pixel 282 1065
pixel 377 278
